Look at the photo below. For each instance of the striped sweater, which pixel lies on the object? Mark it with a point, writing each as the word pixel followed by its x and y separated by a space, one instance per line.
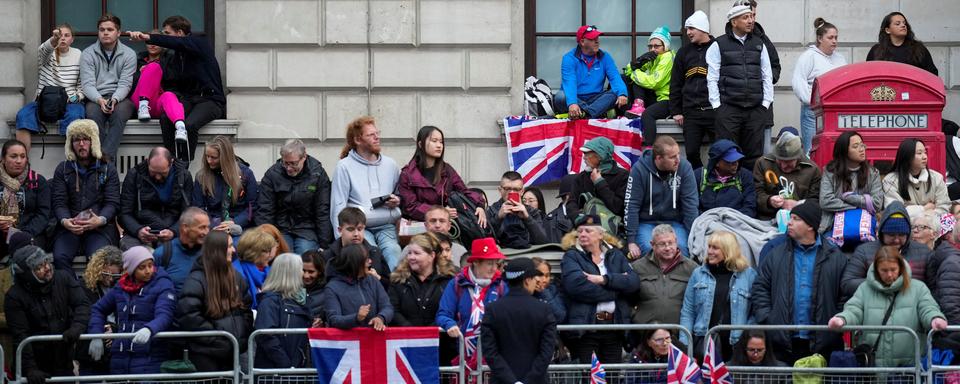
pixel 65 73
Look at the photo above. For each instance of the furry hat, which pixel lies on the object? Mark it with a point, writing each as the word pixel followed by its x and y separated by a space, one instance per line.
pixel 82 127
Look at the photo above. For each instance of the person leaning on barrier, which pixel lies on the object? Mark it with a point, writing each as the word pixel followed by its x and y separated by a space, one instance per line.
pixel 44 302
pixel 597 279
pixel 753 350
pixel 103 271
pixel 519 331
pixel 718 293
pixel 798 283
pixel 215 297
pixel 888 284
pixel 653 347
pixel 353 297
pixel 143 302
pixel 85 196
pixel 283 304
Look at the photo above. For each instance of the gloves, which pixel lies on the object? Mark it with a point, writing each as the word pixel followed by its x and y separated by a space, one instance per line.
pixel 142 336
pixel 37 376
pixel 643 59
pixel 96 349
pixel 72 334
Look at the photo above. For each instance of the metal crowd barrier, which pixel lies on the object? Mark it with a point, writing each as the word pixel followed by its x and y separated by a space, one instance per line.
pixel 826 375
pixel 309 375
pixel 154 377
pixel 942 373
pixel 575 373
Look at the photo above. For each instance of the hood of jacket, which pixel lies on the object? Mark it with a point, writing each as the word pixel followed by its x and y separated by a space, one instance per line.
pixel 894 208
pixel 82 127
pixel 647 170
pixel 887 290
pixel 604 148
pixel 717 149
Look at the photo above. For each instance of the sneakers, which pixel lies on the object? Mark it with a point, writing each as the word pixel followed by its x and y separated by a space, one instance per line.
pixel 181 134
pixel 636 110
pixel 143 111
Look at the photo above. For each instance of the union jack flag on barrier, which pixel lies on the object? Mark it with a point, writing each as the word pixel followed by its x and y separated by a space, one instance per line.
pixel 544 150
pixel 407 355
pixel 714 369
pixel 681 369
pixel 597 374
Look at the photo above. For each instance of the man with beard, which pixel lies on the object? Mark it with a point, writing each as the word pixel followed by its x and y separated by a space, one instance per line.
pixel 366 179
pixel 85 194
pixel 155 193
pixel 44 302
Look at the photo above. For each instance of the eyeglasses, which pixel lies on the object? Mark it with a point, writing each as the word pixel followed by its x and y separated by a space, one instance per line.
pixel 652 46
pixel 81 140
pixel 756 351
pixel 918 228
pixel 292 164
pixel 110 275
pixel 665 244
pixel 663 340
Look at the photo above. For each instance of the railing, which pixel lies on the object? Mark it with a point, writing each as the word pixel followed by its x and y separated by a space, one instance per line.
pixel 835 374
pixel 940 373
pixel 179 377
pixel 308 375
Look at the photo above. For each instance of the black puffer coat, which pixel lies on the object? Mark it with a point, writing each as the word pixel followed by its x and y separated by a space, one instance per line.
pixel 192 314
pixel 415 302
pixel 298 205
pixel 140 203
pixel 46 309
pixel 96 188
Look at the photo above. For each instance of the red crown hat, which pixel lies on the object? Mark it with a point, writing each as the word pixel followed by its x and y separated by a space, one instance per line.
pixel 485 249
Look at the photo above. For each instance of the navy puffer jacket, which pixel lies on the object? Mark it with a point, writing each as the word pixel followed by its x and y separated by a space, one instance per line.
pixel 286 350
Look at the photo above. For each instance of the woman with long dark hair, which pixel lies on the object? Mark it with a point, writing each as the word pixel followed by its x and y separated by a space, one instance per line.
pixel 849 181
pixel 427 180
pixel 225 188
pixel 896 42
pixel 215 297
pixel 533 197
pixel 753 350
pixel 912 182
pixel 355 298
pixel 314 281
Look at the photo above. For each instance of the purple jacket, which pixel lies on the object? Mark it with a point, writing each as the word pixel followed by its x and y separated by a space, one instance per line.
pixel 417 194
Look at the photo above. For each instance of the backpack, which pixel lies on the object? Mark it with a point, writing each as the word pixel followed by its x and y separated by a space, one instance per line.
pixel 465 227
pixel 51 103
pixel 592 205
pixel 539 97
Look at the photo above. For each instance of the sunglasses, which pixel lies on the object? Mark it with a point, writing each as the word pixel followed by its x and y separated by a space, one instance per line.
pixel 591 28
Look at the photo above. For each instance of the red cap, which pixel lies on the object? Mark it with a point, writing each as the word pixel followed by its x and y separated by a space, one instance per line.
pixel 588 31
pixel 485 249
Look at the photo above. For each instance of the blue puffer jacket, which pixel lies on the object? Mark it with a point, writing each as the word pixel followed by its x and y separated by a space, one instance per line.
pixel 281 351
pixel 738 193
pixel 698 302
pixel 343 297
pixel 242 212
pixel 152 307
pixel 455 302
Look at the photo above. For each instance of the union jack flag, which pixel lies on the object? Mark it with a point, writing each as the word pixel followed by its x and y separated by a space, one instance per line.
pixel 597 374
pixel 713 367
pixel 546 150
pixel 681 369
pixel 407 355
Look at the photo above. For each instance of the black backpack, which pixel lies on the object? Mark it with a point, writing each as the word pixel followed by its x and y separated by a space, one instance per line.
pixel 51 104
pixel 465 227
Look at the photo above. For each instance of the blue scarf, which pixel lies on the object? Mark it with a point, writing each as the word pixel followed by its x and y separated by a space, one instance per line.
pixel 255 277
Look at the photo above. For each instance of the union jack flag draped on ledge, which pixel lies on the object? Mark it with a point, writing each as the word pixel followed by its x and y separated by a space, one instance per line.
pixel 597 374
pixel 681 369
pixel 714 369
pixel 406 355
pixel 546 150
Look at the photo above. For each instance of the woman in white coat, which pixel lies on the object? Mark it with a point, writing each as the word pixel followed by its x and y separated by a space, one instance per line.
pixel 815 61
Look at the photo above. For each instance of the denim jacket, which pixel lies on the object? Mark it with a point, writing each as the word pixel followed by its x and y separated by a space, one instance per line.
pixel 698 302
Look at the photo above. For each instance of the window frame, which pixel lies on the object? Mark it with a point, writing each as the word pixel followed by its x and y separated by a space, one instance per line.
pixel 530 33
pixel 48 19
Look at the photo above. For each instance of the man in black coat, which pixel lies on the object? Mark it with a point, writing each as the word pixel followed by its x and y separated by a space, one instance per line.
pixel 153 196
pixel 295 197
pixel 197 82
pixel 689 104
pixel 86 196
pixel 44 302
pixel 519 331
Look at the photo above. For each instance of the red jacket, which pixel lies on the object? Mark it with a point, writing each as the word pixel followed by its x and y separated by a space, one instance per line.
pixel 417 194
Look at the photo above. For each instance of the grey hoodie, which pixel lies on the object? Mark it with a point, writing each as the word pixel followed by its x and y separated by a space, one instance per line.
pixel 99 76
pixel 356 181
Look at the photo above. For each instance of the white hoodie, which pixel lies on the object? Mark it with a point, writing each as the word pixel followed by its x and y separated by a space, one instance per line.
pixel 811 64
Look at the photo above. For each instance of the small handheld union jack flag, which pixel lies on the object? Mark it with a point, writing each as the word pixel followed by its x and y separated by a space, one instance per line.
pixel 597 374
pixel 681 369
pixel 713 367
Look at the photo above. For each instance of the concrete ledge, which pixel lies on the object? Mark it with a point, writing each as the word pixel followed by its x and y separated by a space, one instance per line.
pixel 137 132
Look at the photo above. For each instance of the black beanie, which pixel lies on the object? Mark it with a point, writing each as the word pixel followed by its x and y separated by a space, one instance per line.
pixel 809 212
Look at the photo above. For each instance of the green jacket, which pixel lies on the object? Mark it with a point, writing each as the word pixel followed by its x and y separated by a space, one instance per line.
pixel 654 75
pixel 915 308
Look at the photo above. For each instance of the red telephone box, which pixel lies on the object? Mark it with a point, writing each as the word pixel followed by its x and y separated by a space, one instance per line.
pixel 885 102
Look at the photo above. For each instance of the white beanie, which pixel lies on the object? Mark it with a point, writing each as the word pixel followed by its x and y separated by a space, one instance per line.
pixel 737 10
pixel 699 21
